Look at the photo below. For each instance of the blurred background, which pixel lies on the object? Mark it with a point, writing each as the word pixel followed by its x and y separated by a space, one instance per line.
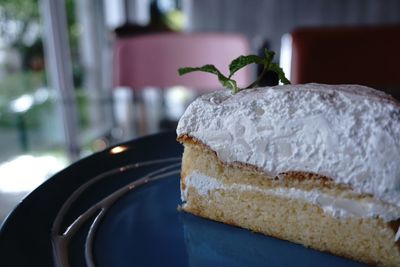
pixel 59 101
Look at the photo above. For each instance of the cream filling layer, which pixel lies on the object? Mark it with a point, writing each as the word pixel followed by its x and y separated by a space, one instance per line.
pixel 334 206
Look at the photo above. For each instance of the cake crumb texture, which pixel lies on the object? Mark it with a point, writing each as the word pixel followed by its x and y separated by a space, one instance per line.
pixel 364 240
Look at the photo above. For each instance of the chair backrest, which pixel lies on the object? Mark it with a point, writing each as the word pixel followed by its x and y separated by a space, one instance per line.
pixel 154 59
pixel 334 55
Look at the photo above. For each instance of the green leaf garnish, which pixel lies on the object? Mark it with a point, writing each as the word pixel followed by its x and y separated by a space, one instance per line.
pixel 238 64
pixel 281 74
pixel 225 81
pixel 243 61
pixel 206 68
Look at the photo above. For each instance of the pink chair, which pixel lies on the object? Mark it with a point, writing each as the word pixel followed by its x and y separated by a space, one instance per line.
pixel 153 60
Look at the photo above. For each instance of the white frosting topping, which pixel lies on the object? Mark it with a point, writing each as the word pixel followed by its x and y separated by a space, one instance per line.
pixel 349 133
pixel 338 207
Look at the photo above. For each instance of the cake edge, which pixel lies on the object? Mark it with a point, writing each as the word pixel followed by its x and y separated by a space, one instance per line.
pixel 187 140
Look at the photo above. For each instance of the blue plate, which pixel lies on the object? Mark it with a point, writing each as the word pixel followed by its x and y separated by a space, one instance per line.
pixel 119 208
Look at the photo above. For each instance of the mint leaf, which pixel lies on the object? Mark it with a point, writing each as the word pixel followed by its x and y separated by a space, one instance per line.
pixel 269 66
pixel 278 70
pixel 243 61
pixel 237 64
pixel 269 55
pixel 206 68
pixel 229 83
pixel 225 81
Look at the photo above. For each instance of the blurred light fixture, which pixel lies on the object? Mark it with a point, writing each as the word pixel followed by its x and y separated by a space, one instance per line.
pixel 41 95
pixel 99 144
pixel 118 149
pixel 22 103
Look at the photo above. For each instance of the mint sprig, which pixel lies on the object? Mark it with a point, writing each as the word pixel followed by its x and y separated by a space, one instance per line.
pixel 239 63
pixel 226 82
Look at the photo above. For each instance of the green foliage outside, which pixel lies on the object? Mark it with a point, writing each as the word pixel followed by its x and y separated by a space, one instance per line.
pixel 18 82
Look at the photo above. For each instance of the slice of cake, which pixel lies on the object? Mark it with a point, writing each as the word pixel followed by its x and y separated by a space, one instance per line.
pixel 314 164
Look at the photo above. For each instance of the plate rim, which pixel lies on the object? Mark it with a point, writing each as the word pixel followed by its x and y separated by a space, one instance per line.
pixel 63 172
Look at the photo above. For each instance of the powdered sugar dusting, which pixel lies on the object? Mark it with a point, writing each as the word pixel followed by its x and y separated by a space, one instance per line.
pixel 350 133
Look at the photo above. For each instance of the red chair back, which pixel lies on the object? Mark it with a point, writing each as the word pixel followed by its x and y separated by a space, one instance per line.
pixel 335 55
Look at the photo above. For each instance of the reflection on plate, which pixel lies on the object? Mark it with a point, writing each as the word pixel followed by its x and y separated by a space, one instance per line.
pixel 136 226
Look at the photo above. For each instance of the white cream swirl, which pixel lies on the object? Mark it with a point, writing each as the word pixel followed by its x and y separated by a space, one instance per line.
pixel 350 133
